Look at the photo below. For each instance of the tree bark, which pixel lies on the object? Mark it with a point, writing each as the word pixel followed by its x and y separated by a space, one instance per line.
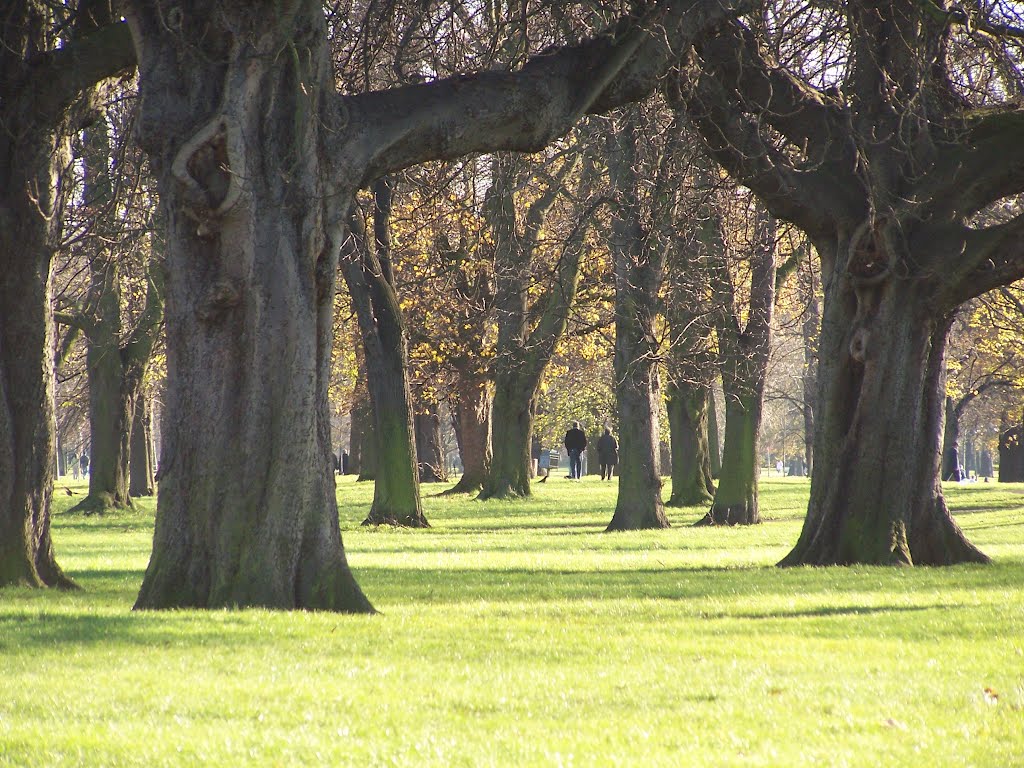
pixel 472 421
pixel 637 259
pixel 396 491
pixel 141 482
pixel 875 494
pixel 743 360
pixel 1011 455
pixel 687 407
pixel 512 422
pixel 714 445
pixel 246 514
pixel 429 452
pixel 810 328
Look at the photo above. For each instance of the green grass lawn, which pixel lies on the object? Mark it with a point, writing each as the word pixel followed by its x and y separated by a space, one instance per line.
pixel 521 634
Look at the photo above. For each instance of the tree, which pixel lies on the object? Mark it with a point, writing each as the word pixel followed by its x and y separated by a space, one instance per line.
pixel 529 327
pixel 371 283
pixel 637 245
pixel 744 350
pixel 116 362
pixel 258 160
pixel 50 66
pixel 882 157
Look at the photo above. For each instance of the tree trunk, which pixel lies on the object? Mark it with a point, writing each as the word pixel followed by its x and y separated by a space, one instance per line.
pixel 736 498
pixel 809 378
pixel 638 267
pixel 472 409
pixel 246 514
pixel 38 110
pixel 1011 455
pixel 512 423
pixel 743 360
pixel 875 491
pixel 429 452
pixel 396 492
pixel 141 473
pixel 26 386
pixel 687 407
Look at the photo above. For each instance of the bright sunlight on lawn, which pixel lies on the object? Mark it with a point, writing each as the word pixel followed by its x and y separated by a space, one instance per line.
pixel 521 634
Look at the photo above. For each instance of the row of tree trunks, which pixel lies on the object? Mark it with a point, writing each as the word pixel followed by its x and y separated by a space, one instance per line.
pixel 141 481
pixel 43 104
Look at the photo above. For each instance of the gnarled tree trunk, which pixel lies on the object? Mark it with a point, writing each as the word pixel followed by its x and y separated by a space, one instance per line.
pixel 246 514
pixel 875 493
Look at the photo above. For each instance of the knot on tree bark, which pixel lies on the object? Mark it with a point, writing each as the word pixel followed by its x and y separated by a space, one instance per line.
pixel 873 251
pixel 209 166
pixel 859 344
pixel 222 296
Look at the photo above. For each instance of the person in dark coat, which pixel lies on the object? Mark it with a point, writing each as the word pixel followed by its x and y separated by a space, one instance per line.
pixel 575 443
pixel 607 453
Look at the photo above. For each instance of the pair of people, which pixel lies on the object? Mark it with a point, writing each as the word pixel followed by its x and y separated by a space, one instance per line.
pixel 607 451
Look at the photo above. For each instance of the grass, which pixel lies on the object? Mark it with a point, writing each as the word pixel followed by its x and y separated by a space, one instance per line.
pixel 520 634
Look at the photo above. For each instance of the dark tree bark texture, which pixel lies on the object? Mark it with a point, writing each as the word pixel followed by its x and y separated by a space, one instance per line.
pixel 246 514
pixel 258 160
pixel 44 93
pixel 885 181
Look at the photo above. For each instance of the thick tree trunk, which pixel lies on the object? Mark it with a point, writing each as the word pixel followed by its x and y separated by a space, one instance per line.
pixel 687 407
pixel 429 451
pixel 141 482
pixel 472 410
pixel 875 492
pixel 736 498
pixel 246 514
pixel 26 392
pixel 512 424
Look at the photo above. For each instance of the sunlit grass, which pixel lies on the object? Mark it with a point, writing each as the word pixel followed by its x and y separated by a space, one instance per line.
pixel 521 634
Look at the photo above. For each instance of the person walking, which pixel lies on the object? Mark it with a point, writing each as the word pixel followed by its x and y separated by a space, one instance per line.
pixel 575 443
pixel 607 453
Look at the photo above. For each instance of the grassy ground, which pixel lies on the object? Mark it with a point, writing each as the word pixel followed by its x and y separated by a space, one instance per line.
pixel 521 634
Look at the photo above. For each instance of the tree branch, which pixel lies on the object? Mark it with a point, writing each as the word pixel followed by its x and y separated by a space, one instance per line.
pixel 985 165
pixel 525 110
pixel 996 259
pixel 61 76
pixel 737 143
